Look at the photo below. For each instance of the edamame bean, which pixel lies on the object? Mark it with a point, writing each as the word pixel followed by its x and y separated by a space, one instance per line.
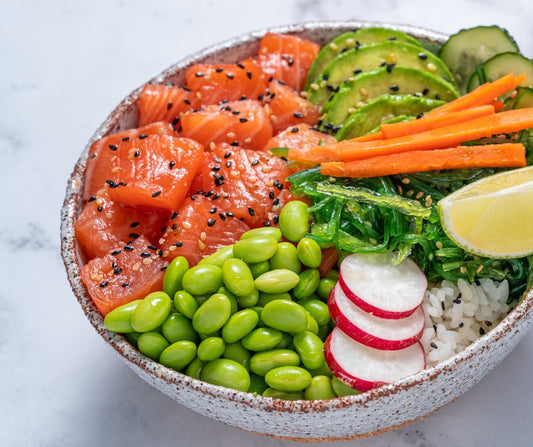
pixel 318 310
pixel 277 281
pixel 285 395
pixel 194 369
pixel 258 310
pixel 294 220
pixel 322 371
pixel 234 303
pixel 201 299
pixel 202 279
pixel 272 232
pixel 262 339
pixel 312 325
pixel 308 283
pixel 239 324
pixel 255 249
pixel 212 315
pixel 342 389
pixel 238 353
pixel 118 320
pixel 257 384
pixel 288 378
pixel 174 275
pixel 259 268
pixel 178 355
pixel 177 327
pixel 286 341
pixel 310 349
pixel 133 338
pixel 319 388
pixel 211 348
pixel 309 252
pixel 324 287
pixel 265 298
pixel 226 373
pixel 263 362
pixel 237 277
pixel 333 274
pixel 151 312
pixel 185 303
pixel 323 332
pixel 284 315
pixel 152 344
pixel 286 257
pixel 218 257
pixel 250 299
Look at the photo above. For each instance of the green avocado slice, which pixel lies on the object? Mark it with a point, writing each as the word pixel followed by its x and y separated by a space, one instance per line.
pixel 364 87
pixel 381 109
pixel 388 54
pixel 352 39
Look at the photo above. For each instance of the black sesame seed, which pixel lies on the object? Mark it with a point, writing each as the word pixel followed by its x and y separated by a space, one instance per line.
pixel 215 168
pixel 423 56
pixel 249 74
pixel 243 120
pixel 271 195
pixel 477 282
pixel 481 331
pixel 172 164
pixel 260 97
pixel 133 235
pixel 199 74
pixel 425 91
pixel 215 196
pixel 461 324
pixel 443 305
pixel 134 224
pixel 115 252
pixel 178 244
pixel 229 76
pixel 211 222
pixel 213 210
pixel 437 96
pixel 240 65
pixel 235 112
pixel 112 184
pixel 390 67
pixel 113 147
pixel 294 130
pixel 217 160
pixel 157 193
pixel 160 252
pixel 433 345
pixel 145 254
pixel 100 208
pixel 219 70
pixel 228 154
pixel 222 216
pixel 229 214
pixel 298 115
pixel 275 219
pixel 194 198
pixel 267 224
pixel 457 301
pixel 174 226
pixel 126 284
pixel 151 247
pixel 91 199
pixel 394 87
pixel 228 164
pixel 383 64
pixel 357 71
pixel 169 105
pixel 275 202
pixel 270 79
pixel 162 269
pixel 174 215
pixel 187 101
pixel 234 143
pixel 126 139
pixel 143 136
pixel 209 193
pixel 251 211
pixel 103 284
pixel 255 162
pixel 176 120
pixel 128 248
pixel 114 264
pixel 118 271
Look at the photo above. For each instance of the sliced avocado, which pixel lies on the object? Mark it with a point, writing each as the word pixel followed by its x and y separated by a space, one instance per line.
pixel 382 109
pixel 468 48
pixel 523 98
pixel 358 60
pixel 500 65
pixel 353 39
pixel 364 87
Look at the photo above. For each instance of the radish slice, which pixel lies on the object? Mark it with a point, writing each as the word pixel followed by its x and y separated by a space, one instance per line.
pixel 364 368
pixel 377 286
pixel 379 333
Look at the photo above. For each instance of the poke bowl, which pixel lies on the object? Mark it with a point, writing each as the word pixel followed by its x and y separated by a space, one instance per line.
pixel 377 410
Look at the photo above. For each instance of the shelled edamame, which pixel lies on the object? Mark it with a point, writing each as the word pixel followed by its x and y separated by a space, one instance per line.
pixel 251 316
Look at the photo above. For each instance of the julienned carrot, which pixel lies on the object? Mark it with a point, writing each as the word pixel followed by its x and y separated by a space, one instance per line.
pixel 370 136
pixel 442 137
pixel 487 156
pixel 395 130
pixel 484 94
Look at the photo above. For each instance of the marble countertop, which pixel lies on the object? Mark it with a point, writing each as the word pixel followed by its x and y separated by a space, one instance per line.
pixel 65 65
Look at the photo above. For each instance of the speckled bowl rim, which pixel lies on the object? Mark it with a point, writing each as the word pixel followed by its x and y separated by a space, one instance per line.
pixel 73 260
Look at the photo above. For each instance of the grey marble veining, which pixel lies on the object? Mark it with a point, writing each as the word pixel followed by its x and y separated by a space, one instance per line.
pixel 64 66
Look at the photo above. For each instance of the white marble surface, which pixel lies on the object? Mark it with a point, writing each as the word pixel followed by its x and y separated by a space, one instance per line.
pixel 64 66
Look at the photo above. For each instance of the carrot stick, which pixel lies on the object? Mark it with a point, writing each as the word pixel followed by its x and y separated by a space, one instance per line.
pixel 487 156
pixel 484 94
pixel 428 122
pixel 370 136
pixel 442 137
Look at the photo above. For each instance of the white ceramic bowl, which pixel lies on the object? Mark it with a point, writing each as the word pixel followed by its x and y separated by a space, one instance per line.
pixel 347 417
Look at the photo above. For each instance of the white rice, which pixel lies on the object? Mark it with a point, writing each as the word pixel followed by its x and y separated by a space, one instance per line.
pixel 458 314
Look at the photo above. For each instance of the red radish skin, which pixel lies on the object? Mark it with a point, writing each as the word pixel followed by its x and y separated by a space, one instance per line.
pixel 354 376
pixel 340 306
pixel 372 283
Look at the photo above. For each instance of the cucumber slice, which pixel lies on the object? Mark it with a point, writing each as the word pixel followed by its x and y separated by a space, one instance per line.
pixel 384 108
pixel 352 39
pixel 401 80
pixel 523 98
pixel 502 64
pixel 389 53
pixel 464 51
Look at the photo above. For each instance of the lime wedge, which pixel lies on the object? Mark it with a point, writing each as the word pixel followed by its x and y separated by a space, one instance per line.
pixel 492 217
